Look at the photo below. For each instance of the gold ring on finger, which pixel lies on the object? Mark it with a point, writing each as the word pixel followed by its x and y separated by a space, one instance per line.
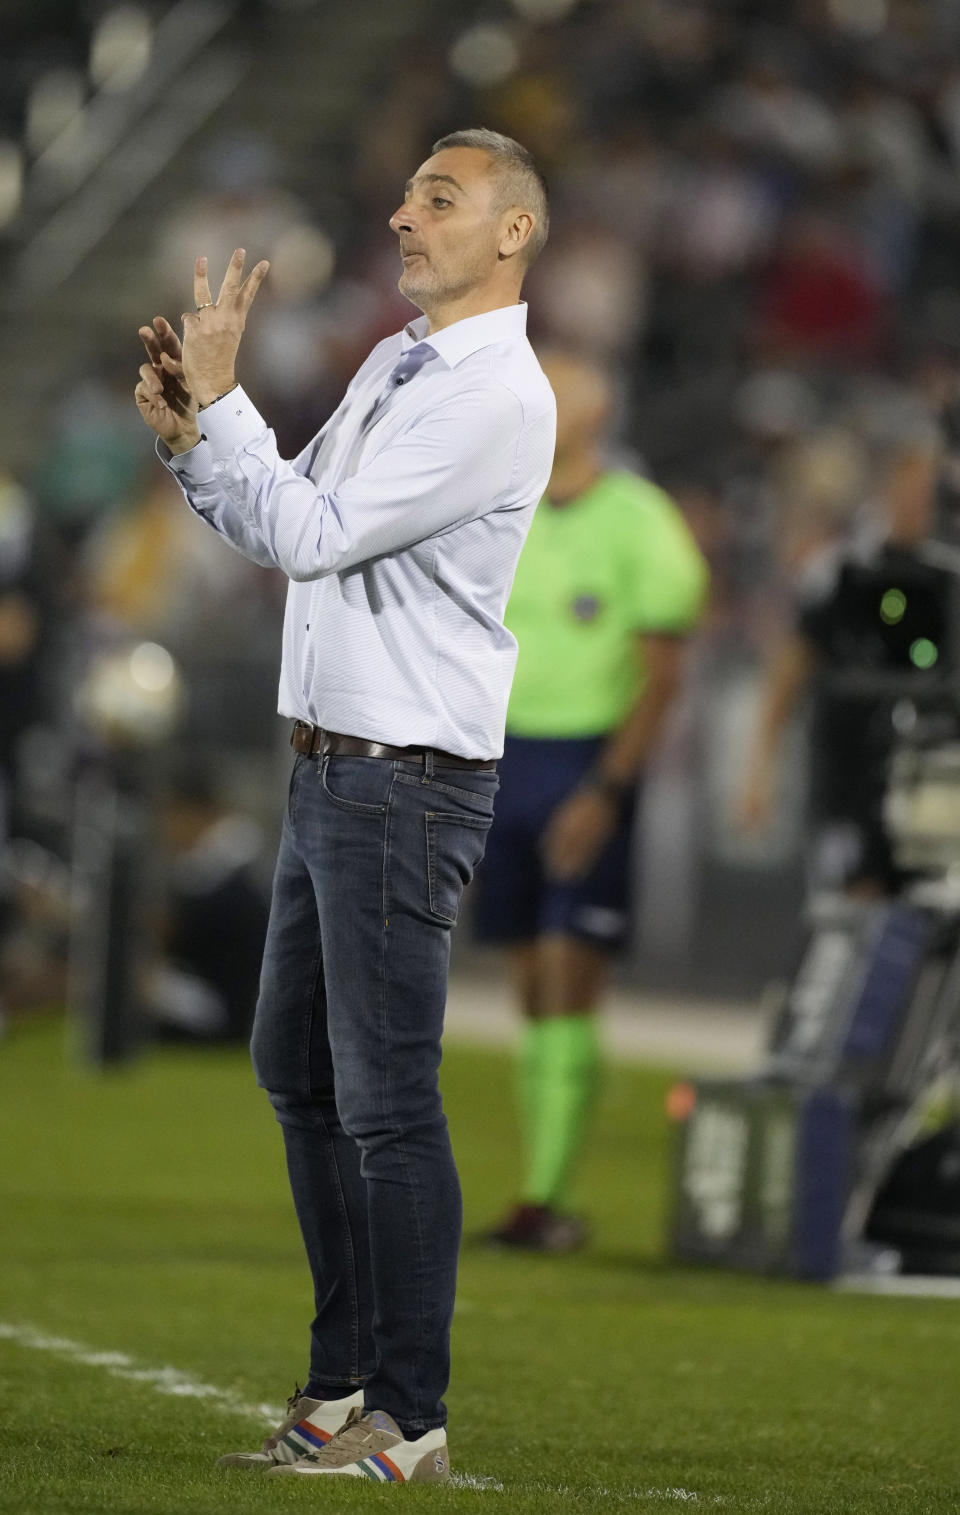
pixel 204 305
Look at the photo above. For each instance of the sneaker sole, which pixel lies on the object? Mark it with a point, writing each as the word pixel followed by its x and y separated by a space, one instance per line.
pixel 355 1470
pixel 252 1462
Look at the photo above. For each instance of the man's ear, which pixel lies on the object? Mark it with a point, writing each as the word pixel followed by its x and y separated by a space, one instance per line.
pixel 518 233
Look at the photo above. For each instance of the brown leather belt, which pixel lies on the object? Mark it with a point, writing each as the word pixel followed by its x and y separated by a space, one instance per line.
pixel 314 741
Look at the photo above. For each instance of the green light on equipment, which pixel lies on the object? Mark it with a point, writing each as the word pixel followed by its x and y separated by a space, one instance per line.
pixel 892 606
pixel 923 653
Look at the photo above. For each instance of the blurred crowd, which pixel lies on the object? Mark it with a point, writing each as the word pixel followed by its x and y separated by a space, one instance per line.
pixel 756 230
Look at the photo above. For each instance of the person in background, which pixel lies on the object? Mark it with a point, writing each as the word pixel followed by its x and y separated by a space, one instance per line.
pixel 21 644
pixel 871 626
pixel 609 586
pixel 204 986
pixel 21 626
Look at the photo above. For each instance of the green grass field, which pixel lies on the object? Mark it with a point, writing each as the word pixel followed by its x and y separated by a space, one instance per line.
pixel 145 1228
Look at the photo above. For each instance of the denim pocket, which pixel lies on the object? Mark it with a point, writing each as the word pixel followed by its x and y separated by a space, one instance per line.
pixel 455 845
pixel 480 799
pixel 358 784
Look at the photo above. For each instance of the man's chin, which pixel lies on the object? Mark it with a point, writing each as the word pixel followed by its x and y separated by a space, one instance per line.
pixel 413 284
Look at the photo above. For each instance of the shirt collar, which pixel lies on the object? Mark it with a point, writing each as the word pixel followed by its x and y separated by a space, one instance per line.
pixel 459 340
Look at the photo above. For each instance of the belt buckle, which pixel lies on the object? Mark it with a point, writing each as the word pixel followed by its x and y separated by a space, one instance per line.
pixel 303 738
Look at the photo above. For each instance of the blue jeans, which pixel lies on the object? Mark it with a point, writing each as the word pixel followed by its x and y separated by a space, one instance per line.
pixel 373 860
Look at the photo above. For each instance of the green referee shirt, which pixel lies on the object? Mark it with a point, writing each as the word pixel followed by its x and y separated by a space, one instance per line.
pixel 594 574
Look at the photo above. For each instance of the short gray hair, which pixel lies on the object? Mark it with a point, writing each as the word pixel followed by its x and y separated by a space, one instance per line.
pixel 520 180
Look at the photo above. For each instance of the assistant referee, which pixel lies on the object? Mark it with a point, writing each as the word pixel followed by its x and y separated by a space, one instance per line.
pixel 399 527
pixel 608 588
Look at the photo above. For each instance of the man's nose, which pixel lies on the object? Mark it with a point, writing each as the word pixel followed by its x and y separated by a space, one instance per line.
pixel 402 220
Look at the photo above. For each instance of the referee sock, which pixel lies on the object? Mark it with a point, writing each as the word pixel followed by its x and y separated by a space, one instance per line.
pixel 559 1064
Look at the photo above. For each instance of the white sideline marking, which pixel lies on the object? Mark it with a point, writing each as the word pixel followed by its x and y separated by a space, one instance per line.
pixel 178 1385
pixel 164 1380
pixel 626 1496
pixel 906 1285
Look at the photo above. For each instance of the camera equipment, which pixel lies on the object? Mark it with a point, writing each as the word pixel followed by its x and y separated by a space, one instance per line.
pixel 809 1167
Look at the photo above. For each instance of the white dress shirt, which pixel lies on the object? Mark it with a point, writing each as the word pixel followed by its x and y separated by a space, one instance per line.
pixel 399 527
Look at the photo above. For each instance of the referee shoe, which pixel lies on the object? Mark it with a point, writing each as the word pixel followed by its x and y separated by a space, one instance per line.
pixel 538 1228
pixel 309 1425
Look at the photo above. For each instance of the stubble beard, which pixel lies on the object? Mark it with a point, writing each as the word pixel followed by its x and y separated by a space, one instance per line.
pixel 416 290
pixel 426 289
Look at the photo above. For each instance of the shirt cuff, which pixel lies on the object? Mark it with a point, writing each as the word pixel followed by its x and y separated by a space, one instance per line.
pixel 195 465
pixel 229 423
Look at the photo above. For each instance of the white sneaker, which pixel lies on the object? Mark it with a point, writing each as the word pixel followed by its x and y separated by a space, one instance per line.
pixel 372 1446
pixel 308 1427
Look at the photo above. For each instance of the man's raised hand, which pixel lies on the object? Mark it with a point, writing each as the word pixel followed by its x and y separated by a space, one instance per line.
pixel 162 395
pixel 211 334
pixel 179 378
pixel 163 346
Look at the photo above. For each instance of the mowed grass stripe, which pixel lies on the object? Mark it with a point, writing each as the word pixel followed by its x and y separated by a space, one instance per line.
pixel 145 1213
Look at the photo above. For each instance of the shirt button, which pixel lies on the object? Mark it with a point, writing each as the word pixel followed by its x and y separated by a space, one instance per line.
pixel 400 379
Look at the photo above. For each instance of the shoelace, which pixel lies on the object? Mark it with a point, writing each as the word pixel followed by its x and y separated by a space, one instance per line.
pixel 353 1435
pixel 293 1415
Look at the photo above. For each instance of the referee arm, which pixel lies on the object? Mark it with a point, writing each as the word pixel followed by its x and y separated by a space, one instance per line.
pixel 580 827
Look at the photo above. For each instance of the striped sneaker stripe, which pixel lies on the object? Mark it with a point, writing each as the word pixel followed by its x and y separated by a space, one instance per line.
pixel 306 1438
pixel 314 1434
pixel 287 1450
pixel 391 1472
pixel 368 1471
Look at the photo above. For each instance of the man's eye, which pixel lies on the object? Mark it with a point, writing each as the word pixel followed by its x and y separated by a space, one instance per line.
pixel 439 200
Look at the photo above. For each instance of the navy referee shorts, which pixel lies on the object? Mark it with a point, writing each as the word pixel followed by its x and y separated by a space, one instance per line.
pixel 515 901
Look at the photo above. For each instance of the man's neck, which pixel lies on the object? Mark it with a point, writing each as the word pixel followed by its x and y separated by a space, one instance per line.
pixel 572 477
pixel 473 304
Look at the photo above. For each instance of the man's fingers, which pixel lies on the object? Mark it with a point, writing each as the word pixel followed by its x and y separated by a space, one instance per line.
pixel 175 387
pixel 169 391
pixel 251 284
pixel 179 402
pixel 162 343
pixel 169 340
pixel 233 277
pixel 201 287
pixel 147 399
pixel 151 343
pixel 171 365
pixel 148 378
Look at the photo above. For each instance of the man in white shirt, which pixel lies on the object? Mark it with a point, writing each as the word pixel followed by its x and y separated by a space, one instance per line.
pixel 399 527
